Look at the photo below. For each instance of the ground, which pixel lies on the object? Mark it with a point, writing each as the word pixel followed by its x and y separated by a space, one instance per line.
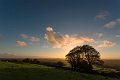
pixel 15 71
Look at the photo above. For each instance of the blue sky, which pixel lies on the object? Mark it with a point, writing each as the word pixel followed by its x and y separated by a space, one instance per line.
pixel 50 28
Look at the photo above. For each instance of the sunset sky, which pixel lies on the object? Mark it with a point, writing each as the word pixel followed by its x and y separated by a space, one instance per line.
pixel 50 28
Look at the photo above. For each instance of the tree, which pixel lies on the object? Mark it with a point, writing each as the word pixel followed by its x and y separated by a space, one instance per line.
pixel 60 64
pixel 27 60
pixel 83 57
pixel 36 61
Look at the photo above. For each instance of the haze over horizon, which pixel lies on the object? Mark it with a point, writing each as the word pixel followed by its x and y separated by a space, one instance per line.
pixel 50 28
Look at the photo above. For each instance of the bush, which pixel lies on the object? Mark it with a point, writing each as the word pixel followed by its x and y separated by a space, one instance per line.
pixel 60 64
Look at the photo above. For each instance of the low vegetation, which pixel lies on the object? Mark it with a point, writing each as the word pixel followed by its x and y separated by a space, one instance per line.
pixel 15 71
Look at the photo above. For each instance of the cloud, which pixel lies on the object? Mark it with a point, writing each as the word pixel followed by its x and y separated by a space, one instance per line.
pixel 49 29
pixel 105 43
pixel 7 55
pixel 21 43
pixel 102 15
pixel 65 41
pixel 117 36
pixel 112 24
pixel 24 35
pixel 30 39
pixel 99 35
pixel 34 39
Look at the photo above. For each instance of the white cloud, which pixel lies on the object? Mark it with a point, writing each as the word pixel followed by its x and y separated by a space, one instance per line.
pixel 117 36
pixel 21 43
pixel 24 35
pixel 102 15
pixel 112 24
pixel 105 43
pixel 49 29
pixel 34 39
pixel 65 41
pixel 30 39
pixel 99 35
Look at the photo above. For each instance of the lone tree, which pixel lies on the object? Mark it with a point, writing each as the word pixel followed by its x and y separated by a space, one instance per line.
pixel 83 57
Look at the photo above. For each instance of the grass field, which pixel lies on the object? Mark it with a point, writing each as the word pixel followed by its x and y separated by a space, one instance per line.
pixel 13 71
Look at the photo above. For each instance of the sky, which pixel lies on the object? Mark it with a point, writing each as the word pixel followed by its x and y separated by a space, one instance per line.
pixel 50 28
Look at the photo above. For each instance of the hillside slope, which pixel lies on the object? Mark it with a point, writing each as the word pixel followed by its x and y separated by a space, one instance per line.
pixel 13 71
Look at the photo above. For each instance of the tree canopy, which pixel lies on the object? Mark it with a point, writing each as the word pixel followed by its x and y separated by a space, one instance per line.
pixel 83 57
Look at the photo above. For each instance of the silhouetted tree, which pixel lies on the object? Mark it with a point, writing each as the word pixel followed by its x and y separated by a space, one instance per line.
pixel 27 60
pixel 36 61
pixel 60 64
pixel 83 57
pixel 73 57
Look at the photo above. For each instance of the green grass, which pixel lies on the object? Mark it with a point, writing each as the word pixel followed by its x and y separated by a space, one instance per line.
pixel 105 70
pixel 13 71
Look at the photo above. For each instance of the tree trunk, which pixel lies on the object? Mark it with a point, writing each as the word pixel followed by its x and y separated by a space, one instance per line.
pixel 90 66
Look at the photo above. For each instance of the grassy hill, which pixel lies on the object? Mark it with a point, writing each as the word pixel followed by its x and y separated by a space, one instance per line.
pixel 13 71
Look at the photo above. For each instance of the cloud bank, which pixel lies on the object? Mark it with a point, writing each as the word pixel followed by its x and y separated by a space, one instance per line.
pixel 65 41
pixel 21 43
pixel 34 39
pixel 28 40
pixel 112 24
pixel 105 43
